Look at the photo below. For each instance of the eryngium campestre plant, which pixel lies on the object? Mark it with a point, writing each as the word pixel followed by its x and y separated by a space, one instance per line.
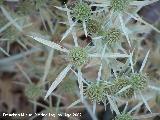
pixel 81 11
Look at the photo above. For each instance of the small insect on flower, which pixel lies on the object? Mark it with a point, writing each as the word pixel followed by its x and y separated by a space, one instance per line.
pixel 139 81
pixel 81 11
pixel 33 91
pixel 112 35
pixel 124 116
pixel 78 56
pixel 119 5
pixel 121 83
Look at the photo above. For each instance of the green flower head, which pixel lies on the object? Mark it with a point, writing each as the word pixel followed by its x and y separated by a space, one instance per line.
pixel 112 35
pixel 78 56
pixel 81 11
pixel 121 83
pixel 139 81
pixel 93 26
pixel 33 91
pixel 119 5
pixel 96 92
pixel 124 116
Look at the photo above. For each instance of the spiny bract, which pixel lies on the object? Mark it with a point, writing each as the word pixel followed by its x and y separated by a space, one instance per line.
pixel 139 81
pixel 81 11
pixel 78 56
pixel 119 5
pixel 33 91
pixel 124 116
pixel 112 35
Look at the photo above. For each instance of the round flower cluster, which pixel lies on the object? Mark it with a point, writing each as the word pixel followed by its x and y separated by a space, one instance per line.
pixel 119 5
pixel 112 35
pixel 121 83
pixel 81 11
pixel 124 116
pixel 96 92
pixel 139 81
pixel 93 26
pixel 78 56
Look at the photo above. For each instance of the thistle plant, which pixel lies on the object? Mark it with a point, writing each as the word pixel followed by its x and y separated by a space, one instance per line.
pixel 121 7
pixel 108 55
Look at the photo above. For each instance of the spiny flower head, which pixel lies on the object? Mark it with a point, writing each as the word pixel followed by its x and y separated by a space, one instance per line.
pixel 139 81
pixel 124 116
pixel 119 5
pixel 121 83
pixel 81 11
pixel 96 92
pixel 93 26
pixel 112 35
pixel 33 91
pixel 78 56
